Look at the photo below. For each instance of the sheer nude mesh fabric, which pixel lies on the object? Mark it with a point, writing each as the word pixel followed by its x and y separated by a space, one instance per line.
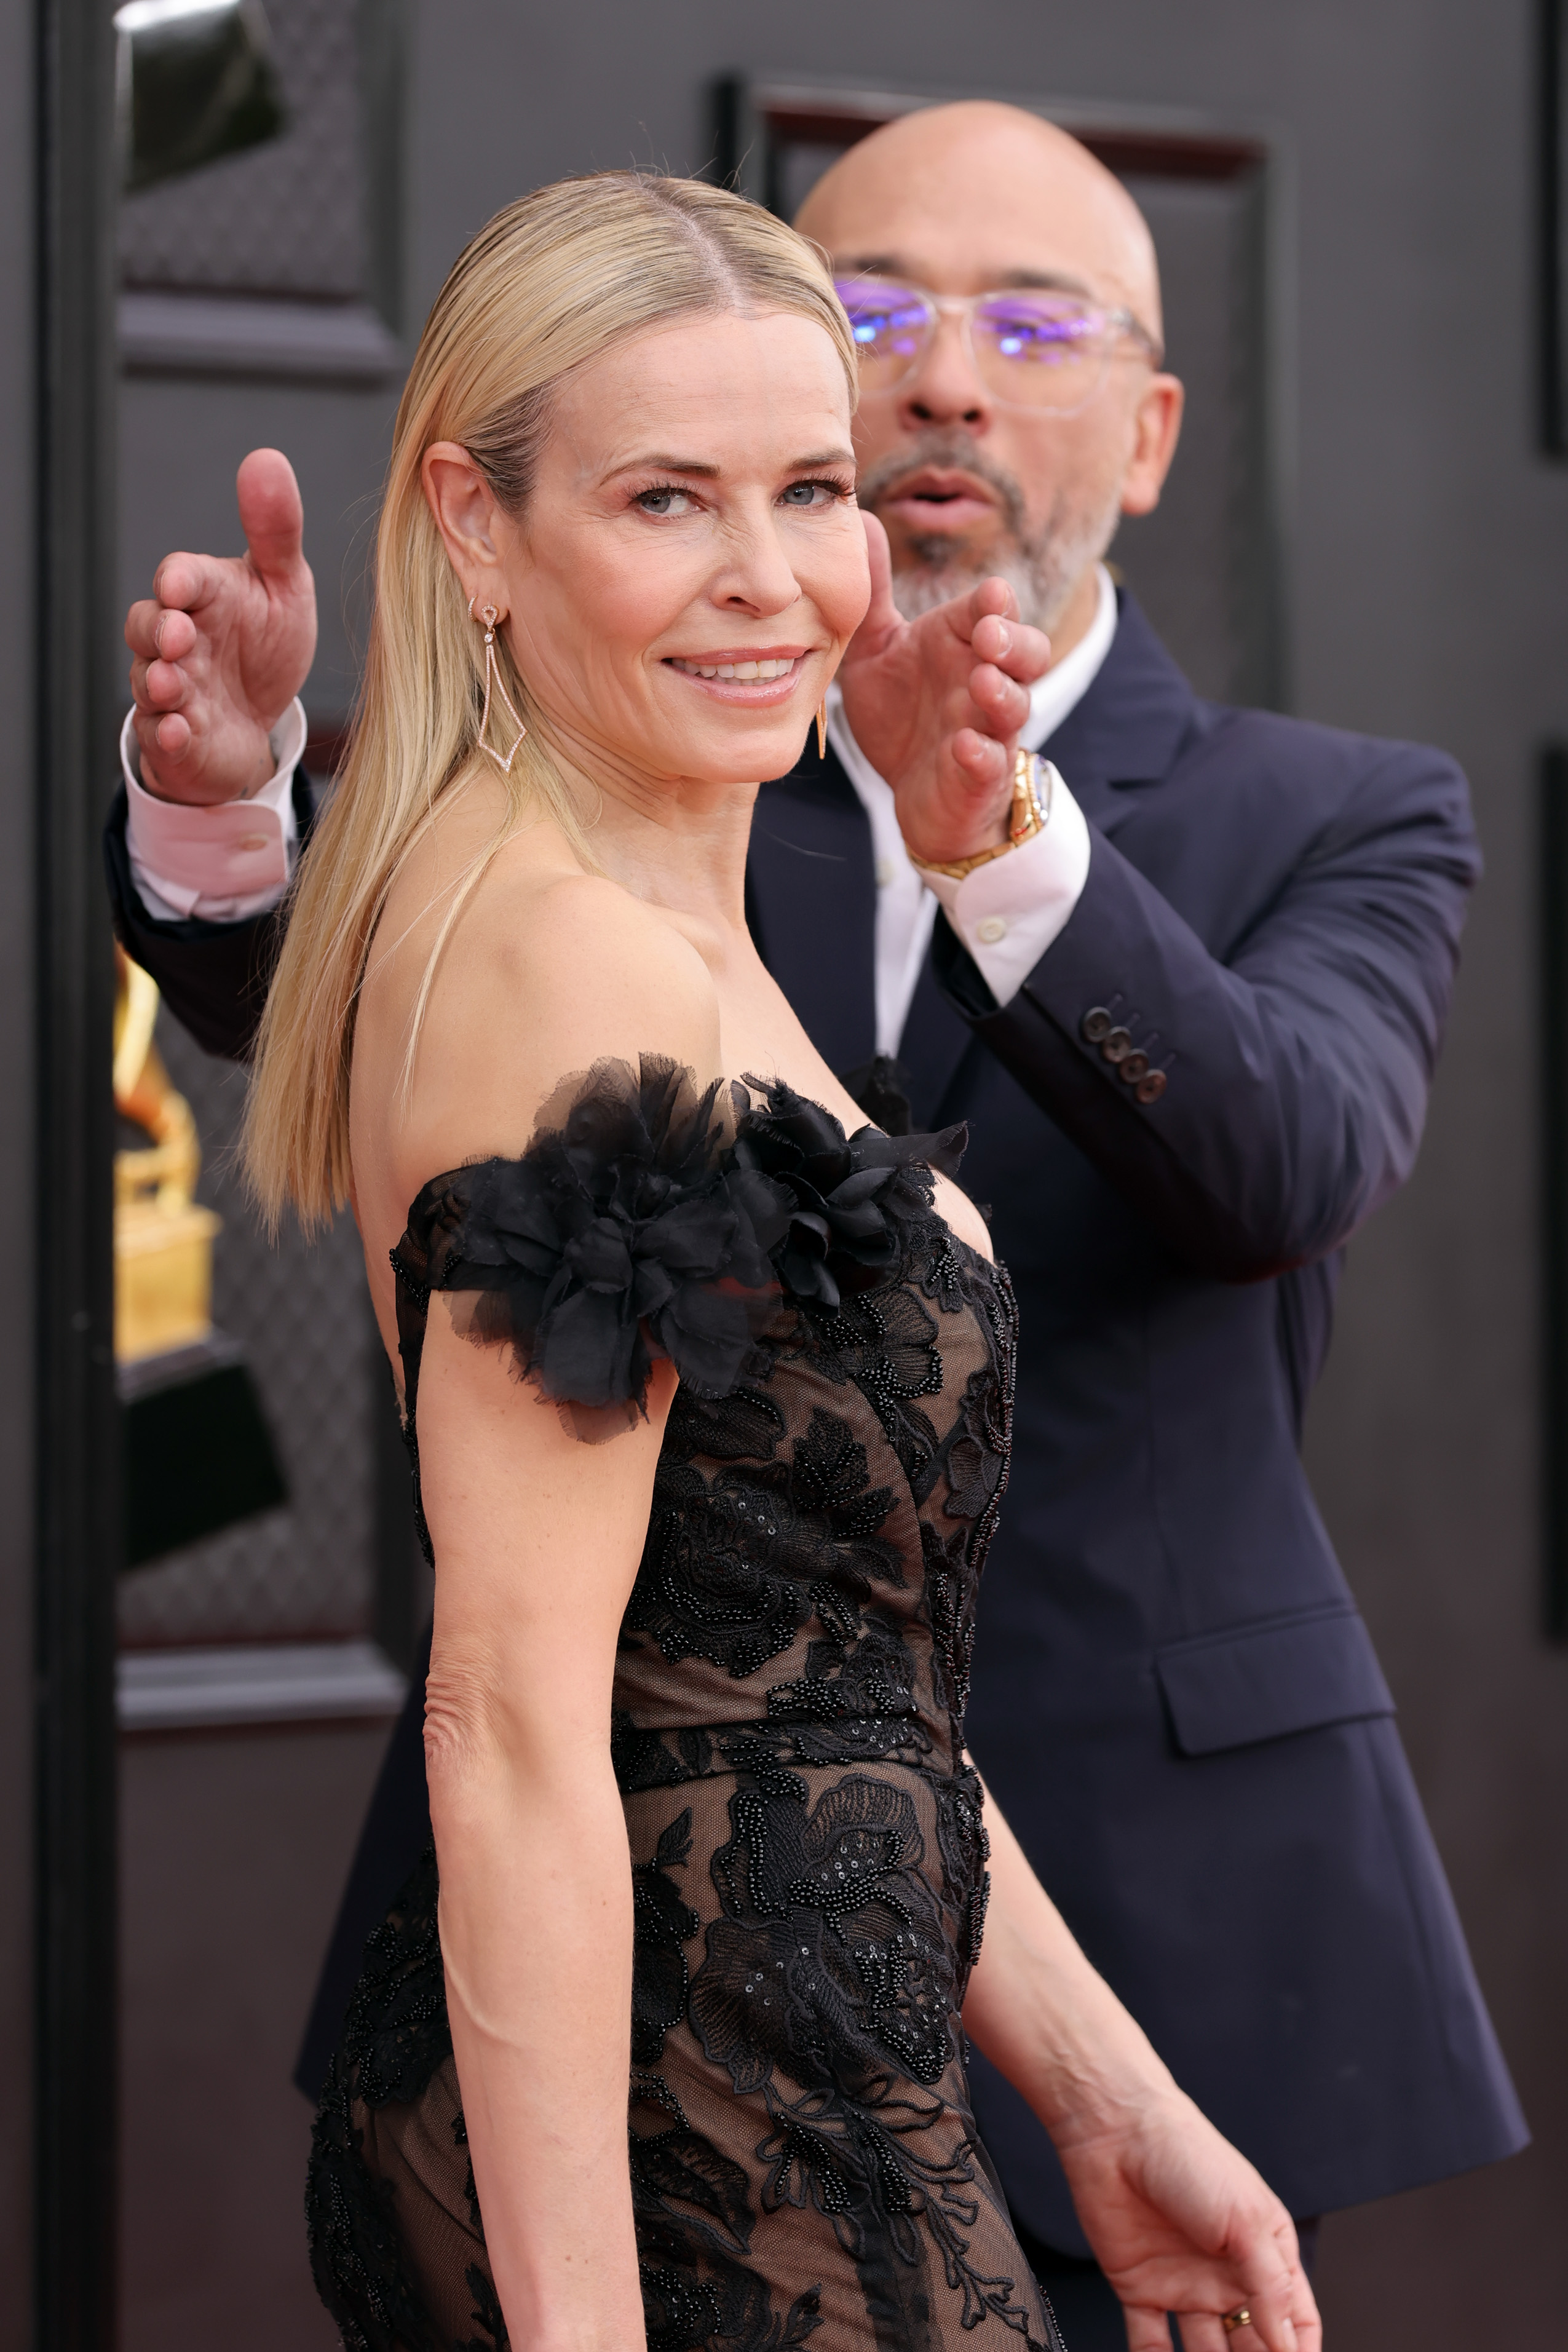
pixel 806 1841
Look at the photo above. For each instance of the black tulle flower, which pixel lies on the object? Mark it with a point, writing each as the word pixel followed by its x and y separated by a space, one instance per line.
pixel 634 1227
pixel 623 1232
pixel 843 1189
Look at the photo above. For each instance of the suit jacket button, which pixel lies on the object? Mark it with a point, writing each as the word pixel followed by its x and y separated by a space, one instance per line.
pixel 1134 1066
pixel 1096 1025
pixel 1116 1045
pixel 1151 1088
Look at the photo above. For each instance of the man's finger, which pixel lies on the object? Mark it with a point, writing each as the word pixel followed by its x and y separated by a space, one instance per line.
pixel 1004 704
pixel 983 761
pixel 186 583
pixel 272 513
pixel 164 687
pixel 150 732
pixel 141 628
pixel 1023 653
pixel 993 596
pixel 174 637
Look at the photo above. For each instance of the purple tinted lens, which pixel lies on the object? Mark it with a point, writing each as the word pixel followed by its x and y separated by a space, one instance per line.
pixel 1036 330
pixel 888 323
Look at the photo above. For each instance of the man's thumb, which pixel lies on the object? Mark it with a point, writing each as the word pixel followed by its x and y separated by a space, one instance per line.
pixel 882 613
pixel 272 513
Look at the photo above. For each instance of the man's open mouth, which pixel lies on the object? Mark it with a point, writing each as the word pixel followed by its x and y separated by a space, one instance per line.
pixel 937 498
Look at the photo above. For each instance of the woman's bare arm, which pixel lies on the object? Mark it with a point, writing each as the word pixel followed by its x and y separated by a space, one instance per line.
pixel 1178 2220
pixel 538 1539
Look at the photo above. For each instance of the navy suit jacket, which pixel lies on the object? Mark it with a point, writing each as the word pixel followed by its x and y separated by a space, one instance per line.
pixel 1174 1701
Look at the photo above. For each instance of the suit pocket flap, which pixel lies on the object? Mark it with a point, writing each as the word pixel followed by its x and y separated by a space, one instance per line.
pixel 1262 1682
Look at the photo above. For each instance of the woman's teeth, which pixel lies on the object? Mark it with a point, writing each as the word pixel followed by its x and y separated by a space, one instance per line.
pixel 735 670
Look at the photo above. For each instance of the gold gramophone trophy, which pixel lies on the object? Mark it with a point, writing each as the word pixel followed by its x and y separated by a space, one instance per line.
pixel 163 1237
pixel 198 1455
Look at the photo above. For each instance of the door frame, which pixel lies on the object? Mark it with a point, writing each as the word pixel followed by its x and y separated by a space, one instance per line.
pixel 77 1486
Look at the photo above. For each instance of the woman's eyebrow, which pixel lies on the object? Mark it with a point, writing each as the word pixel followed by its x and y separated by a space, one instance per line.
pixel 666 464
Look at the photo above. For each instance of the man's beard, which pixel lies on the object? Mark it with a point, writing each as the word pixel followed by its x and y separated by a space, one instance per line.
pixel 1042 567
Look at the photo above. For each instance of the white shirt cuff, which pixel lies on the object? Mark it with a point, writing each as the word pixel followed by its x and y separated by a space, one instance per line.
pixel 1010 911
pixel 222 863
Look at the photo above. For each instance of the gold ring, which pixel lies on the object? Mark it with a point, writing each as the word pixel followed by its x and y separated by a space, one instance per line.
pixel 1231 2320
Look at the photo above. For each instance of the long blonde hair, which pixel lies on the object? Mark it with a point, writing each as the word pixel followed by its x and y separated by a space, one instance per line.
pixel 554 280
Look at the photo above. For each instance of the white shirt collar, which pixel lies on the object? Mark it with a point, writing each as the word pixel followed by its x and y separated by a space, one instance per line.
pixel 1064 686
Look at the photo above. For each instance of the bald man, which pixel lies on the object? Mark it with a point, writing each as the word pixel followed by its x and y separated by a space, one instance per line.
pixel 1190 1005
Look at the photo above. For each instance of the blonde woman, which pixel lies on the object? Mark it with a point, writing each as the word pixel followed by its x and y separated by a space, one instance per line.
pixel 706 1385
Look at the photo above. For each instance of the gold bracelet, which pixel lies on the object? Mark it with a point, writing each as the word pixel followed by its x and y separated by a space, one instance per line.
pixel 1030 816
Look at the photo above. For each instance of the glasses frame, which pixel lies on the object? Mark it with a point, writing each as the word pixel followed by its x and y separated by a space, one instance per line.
pixel 1113 324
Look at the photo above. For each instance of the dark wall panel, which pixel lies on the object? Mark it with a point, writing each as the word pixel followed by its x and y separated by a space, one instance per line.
pixel 215 1996
pixel 17 993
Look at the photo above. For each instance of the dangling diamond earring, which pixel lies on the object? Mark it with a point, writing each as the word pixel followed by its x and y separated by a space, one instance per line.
pixel 822 728
pixel 495 684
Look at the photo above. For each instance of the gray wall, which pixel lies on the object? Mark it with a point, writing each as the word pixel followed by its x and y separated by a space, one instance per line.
pixel 17 995
pixel 1425 584
pixel 215 1996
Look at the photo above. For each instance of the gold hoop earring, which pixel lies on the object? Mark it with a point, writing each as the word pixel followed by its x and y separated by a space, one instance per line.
pixel 822 728
pixel 495 684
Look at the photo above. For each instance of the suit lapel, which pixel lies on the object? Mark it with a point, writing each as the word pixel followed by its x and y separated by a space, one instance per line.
pixel 811 901
pixel 1130 727
pixel 935 1040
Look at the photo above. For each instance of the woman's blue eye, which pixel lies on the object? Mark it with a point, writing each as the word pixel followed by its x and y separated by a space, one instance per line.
pixel 657 501
pixel 804 494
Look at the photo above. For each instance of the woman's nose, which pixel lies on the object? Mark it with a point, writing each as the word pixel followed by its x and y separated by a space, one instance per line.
pixel 760 574
pixel 946 388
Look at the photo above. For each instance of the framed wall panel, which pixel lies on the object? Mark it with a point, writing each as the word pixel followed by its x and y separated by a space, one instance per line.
pixel 1553 226
pixel 1553 997
pixel 1206 564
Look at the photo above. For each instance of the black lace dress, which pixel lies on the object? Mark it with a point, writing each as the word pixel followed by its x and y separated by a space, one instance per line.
pixel 805 1836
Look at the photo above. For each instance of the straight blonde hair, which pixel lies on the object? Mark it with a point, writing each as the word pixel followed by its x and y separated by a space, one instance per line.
pixel 553 282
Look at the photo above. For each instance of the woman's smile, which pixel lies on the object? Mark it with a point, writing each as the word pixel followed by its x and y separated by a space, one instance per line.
pixel 746 677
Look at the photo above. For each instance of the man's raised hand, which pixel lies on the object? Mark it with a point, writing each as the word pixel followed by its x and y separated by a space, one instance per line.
pixel 222 646
pixel 937 705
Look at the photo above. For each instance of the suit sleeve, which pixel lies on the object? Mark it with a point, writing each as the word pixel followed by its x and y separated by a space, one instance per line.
pixel 1295 1065
pixel 213 976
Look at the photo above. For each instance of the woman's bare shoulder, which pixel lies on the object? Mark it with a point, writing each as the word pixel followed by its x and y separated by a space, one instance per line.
pixel 546 971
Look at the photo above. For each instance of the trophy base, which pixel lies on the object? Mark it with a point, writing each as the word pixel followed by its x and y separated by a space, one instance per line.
pixel 197 1453
pixel 163 1278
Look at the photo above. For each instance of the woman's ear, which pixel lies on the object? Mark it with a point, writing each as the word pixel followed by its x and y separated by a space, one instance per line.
pixel 471 523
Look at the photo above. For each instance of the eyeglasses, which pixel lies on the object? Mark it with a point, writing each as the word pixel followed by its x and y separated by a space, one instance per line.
pixel 1031 347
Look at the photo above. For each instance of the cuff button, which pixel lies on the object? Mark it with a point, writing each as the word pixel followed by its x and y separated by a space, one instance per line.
pixel 1133 1067
pixel 1095 1024
pixel 1151 1088
pixel 1116 1045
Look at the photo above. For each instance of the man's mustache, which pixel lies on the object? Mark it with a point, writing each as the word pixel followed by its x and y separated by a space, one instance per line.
pixel 951 452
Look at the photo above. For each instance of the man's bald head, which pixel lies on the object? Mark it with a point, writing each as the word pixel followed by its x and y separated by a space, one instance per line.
pixel 1004 187
pixel 980 198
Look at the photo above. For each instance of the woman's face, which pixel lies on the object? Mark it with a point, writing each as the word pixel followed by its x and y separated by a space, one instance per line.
pixel 691 563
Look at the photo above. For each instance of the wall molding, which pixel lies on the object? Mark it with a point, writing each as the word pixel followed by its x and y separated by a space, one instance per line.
pixel 178 334
pixel 256 1683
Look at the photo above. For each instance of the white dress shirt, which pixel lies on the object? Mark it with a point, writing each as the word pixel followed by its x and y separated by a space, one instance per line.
pixel 228 863
pixel 221 863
